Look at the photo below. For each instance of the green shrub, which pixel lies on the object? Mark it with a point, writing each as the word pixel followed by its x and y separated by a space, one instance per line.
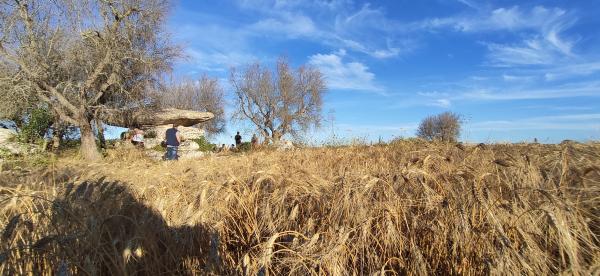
pixel 245 146
pixel 150 134
pixel 4 153
pixel 159 148
pixel 204 144
pixel 36 126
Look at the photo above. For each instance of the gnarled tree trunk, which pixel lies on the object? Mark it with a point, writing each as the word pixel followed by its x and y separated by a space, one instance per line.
pixel 89 150
pixel 100 129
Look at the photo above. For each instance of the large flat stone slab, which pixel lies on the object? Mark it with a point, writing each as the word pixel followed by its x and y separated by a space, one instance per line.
pixel 139 118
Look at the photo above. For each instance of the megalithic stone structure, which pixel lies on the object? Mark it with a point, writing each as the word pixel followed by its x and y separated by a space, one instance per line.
pixel 149 118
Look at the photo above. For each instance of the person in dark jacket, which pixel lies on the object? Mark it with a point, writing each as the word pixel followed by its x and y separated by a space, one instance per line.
pixel 238 140
pixel 172 140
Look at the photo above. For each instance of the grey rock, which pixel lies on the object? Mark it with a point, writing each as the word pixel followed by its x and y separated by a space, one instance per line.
pixel 187 133
pixel 189 146
pixel 147 118
pixel 190 155
pixel 16 148
pixel 150 143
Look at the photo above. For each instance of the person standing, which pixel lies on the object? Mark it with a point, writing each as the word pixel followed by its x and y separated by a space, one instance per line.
pixel 138 138
pixel 238 140
pixel 172 139
pixel 254 141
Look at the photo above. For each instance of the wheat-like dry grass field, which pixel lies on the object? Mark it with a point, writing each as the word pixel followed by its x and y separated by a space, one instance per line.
pixel 405 208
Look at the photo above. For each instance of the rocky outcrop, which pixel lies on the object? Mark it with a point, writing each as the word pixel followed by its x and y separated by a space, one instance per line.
pixel 16 148
pixel 9 147
pixel 183 155
pixel 192 155
pixel 149 118
pixel 187 133
pixel 150 143
pixel 156 122
pixel 189 145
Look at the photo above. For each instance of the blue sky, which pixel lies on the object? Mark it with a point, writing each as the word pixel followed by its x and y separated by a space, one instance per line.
pixel 515 70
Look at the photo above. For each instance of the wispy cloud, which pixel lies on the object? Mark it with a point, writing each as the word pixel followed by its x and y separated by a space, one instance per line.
pixel 445 103
pixel 216 61
pixel 572 90
pixel 531 52
pixel 541 28
pixel 494 90
pixel 335 23
pixel 499 19
pixel 571 70
pixel 345 75
pixel 546 45
pixel 434 98
pixel 560 122
pixel 469 3
pixel 290 26
pixel 517 78
pixel 400 129
pixel 560 108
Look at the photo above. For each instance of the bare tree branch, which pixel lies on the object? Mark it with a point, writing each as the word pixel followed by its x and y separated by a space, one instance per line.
pixel 286 104
pixel 82 56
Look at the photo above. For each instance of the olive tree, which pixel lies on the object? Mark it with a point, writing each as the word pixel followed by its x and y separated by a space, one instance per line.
pixel 442 127
pixel 285 101
pixel 16 100
pixel 81 56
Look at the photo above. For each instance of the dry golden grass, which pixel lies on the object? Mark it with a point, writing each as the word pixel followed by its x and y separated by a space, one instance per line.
pixel 404 208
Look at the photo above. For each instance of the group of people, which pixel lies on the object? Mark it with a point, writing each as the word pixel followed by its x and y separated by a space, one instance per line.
pixel 238 144
pixel 135 136
pixel 173 139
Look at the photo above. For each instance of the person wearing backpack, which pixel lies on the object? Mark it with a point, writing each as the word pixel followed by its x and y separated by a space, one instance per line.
pixel 172 141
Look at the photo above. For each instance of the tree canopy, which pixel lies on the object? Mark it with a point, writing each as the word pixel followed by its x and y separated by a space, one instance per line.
pixel 78 57
pixel 285 101
pixel 442 127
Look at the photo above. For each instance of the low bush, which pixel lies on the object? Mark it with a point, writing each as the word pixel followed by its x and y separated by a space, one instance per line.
pixel 150 134
pixel 245 146
pixel 36 127
pixel 204 144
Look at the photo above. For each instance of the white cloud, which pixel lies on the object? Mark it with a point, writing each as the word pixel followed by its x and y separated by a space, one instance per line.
pixel 572 70
pixel 291 25
pixel 445 103
pixel 438 99
pixel 516 78
pixel 560 108
pixel 433 94
pixel 344 75
pixel 330 22
pixel 533 52
pixel 469 3
pixel 217 61
pixel 541 30
pixel 500 19
pixel 279 5
pixel 403 129
pixel 572 90
pixel 559 122
pixel 370 31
